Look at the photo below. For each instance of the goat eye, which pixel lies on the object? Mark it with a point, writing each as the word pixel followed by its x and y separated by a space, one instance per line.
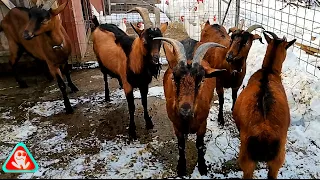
pixel 45 21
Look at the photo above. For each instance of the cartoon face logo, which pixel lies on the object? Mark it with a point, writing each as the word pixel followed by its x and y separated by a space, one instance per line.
pixel 20 157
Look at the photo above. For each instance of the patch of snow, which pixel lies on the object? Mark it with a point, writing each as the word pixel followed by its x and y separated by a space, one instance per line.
pixel 16 133
pixel 49 108
pixel 163 60
pixel 6 115
pixel 116 158
pixel 97 77
pixel 87 65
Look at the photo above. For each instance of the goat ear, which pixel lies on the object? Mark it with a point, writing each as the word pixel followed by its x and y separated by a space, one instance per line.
pixel 58 10
pixel 207 23
pixel 211 72
pixel 268 39
pixel 290 43
pixel 257 36
pixel 171 58
pixel 232 30
pixel 136 29
pixel 164 27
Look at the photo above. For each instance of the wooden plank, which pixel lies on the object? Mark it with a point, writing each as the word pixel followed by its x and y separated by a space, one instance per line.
pixel 8 3
pixel 308 49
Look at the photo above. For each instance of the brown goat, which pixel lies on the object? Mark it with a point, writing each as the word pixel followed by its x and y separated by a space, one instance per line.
pixel 133 61
pixel 39 31
pixel 233 58
pixel 262 114
pixel 188 87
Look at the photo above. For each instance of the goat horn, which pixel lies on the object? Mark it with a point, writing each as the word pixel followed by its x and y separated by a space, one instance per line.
pixel 241 24
pixel 272 34
pixel 177 46
pixel 157 17
pixel 47 5
pixel 202 50
pixel 253 27
pixel 144 13
pixel 284 38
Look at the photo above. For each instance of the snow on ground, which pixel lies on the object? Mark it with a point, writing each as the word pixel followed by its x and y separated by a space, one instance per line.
pixel 49 108
pixel 135 160
pixel 302 89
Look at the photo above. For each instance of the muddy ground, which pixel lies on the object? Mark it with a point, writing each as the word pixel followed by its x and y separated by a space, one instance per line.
pixel 102 121
pixel 88 119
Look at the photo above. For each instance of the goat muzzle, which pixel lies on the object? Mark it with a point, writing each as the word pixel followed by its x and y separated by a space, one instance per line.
pixel 155 59
pixel 185 111
pixel 27 35
pixel 229 57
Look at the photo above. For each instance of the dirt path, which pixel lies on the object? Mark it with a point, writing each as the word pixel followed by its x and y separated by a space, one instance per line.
pixel 93 122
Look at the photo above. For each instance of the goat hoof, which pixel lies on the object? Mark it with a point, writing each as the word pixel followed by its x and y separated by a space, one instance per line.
pixel 132 135
pixel 69 110
pixel 50 78
pixel 220 121
pixel 149 125
pixel 202 167
pixel 221 124
pixel 107 99
pixel 23 84
pixel 181 168
pixel 74 88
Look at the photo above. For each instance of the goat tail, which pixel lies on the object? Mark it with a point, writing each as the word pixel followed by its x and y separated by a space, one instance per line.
pixel 95 22
pixel 263 143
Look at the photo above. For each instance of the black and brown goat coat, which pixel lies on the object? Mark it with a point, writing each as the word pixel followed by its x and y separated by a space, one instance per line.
pixel 39 32
pixel 262 113
pixel 233 58
pixel 133 61
pixel 188 86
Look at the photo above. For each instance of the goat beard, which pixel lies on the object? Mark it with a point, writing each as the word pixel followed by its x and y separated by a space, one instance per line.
pixel 155 69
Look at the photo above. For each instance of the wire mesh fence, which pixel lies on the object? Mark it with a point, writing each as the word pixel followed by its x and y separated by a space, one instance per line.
pixel 294 19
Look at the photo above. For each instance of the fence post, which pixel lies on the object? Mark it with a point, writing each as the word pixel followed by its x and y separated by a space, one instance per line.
pixel 219 11
pixel 108 7
pixel 237 13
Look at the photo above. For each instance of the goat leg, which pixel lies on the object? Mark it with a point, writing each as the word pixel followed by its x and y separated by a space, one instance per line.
pixel 105 77
pixel 66 71
pixel 245 163
pixel 15 55
pixel 182 166
pixel 220 93
pixel 47 72
pixel 234 96
pixel 276 164
pixel 63 88
pixel 144 100
pixel 202 167
pixel 132 125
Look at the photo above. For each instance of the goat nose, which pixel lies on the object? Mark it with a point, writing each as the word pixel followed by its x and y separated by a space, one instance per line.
pixel 229 57
pixel 185 110
pixel 156 58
